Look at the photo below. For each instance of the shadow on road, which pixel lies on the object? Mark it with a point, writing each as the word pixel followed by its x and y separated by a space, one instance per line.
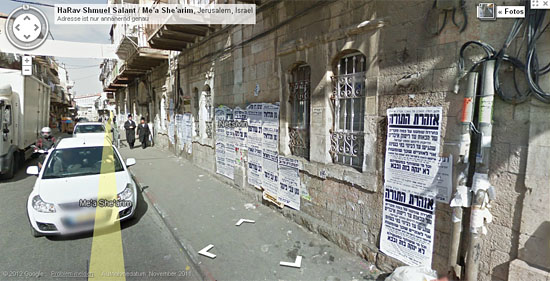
pixel 21 172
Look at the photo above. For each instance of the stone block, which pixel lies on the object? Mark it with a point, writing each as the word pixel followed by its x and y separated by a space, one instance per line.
pixel 444 79
pixel 500 153
pixel 518 159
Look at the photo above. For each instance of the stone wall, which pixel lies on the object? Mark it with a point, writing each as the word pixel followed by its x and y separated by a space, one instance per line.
pixel 406 67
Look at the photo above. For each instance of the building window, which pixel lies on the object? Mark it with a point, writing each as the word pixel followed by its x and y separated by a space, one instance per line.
pixel 196 110
pixel 299 105
pixel 207 108
pixel 347 139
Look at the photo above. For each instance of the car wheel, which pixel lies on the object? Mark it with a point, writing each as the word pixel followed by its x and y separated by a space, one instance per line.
pixel 11 171
pixel 35 233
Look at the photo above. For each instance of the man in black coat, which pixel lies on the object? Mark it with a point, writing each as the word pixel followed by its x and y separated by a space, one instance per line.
pixel 130 127
pixel 143 132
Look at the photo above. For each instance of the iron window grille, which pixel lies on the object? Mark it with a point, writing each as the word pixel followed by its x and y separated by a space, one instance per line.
pixel 299 105
pixel 347 135
pixel 208 107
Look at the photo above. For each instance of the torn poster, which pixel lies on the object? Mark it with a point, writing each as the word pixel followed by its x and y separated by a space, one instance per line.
pixel 442 183
pixel 412 162
pixel 240 132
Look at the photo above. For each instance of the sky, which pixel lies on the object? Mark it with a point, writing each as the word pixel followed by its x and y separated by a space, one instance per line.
pixel 85 72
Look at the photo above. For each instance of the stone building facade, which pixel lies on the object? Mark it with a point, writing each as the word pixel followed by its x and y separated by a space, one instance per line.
pixel 306 48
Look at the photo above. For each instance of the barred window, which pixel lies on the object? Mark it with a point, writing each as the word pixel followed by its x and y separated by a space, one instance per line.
pixel 299 106
pixel 207 111
pixel 348 98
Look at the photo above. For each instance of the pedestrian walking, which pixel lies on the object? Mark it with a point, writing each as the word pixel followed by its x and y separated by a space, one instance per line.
pixel 130 128
pixel 143 132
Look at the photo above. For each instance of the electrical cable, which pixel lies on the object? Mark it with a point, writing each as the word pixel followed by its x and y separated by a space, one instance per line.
pixel 532 26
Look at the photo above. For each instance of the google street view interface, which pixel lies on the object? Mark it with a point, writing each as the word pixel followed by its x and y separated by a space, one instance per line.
pixel 395 140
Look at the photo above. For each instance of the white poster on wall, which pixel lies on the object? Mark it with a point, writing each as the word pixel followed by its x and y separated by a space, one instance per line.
pixel 289 182
pixel 443 182
pixel 229 145
pixel 187 134
pixel 254 113
pixel 240 132
pixel 412 162
pixel 270 180
pixel 270 151
pixel 270 125
pixel 220 141
pixel 171 132
pixel 179 129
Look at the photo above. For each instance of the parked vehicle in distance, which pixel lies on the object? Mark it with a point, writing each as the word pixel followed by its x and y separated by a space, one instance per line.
pixel 24 110
pixel 91 129
pixel 61 201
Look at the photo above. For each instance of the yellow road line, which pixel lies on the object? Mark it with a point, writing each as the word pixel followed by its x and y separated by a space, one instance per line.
pixel 107 258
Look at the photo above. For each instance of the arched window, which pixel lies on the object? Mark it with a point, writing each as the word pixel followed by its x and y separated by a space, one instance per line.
pixel 162 110
pixel 299 99
pixel 196 110
pixel 347 139
pixel 206 108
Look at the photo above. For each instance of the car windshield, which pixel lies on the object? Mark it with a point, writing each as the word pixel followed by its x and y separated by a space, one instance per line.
pixel 82 161
pixel 92 128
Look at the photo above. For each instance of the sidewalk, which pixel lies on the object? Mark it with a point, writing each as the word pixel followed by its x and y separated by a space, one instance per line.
pixel 201 210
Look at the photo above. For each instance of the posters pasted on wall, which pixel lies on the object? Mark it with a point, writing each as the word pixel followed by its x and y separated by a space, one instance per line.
pixel 270 153
pixel 443 181
pixel 254 113
pixel 187 134
pixel 179 129
pixel 289 180
pixel 412 163
pixel 171 130
pixel 219 116
pixel 240 132
pixel 229 143
pixel 256 129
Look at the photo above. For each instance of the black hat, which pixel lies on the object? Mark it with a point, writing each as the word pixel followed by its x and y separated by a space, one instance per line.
pixel 143 118
pixel 129 115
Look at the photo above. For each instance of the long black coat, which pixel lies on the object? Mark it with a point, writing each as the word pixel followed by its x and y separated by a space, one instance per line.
pixel 130 127
pixel 143 132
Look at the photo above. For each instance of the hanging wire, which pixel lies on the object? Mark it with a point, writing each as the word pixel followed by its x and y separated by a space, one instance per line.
pixel 532 27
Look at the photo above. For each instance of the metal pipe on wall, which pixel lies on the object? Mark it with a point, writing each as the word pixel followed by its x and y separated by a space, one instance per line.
pixel 464 149
pixel 481 189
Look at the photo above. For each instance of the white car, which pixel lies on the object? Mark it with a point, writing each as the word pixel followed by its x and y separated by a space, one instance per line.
pixel 86 129
pixel 64 198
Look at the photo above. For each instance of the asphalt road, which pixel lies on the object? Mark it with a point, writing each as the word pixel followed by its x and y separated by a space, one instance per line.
pixel 150 252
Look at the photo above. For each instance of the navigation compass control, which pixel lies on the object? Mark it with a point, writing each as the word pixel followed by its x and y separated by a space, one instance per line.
pixel 27 28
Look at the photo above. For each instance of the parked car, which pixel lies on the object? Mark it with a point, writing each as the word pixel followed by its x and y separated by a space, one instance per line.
pixel 87 129
pixel 65 199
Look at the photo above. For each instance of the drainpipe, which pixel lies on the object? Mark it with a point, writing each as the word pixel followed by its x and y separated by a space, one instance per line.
pixel 460 200
pixel 481 190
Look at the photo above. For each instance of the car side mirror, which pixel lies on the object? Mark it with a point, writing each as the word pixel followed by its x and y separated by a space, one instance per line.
pixel 33 170
pixel 130 162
